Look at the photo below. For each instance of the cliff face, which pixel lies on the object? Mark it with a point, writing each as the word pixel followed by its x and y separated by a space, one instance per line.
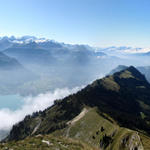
pixel 132 142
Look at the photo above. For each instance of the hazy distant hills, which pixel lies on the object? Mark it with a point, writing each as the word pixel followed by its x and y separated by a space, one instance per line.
pixel 61 65
pixel 57 64
pixel 50 52
pixel 117 69
pixel 8 62
pixel 98 115
pixel 29 54
pixel 13 74
pixel 5 43
pixel 145 70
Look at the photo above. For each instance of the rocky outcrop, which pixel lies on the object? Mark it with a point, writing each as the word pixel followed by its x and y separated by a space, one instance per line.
pixel 131 142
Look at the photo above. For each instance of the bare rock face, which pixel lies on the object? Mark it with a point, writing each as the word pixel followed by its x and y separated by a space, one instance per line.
pixel 131 142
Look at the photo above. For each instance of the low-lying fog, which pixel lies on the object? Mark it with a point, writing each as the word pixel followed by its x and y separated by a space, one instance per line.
pixel 10 116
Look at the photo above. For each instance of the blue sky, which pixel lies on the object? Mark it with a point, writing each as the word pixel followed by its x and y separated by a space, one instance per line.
pixel 93 22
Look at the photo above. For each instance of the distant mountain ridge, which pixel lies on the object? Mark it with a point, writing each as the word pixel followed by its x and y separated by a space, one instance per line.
pixel 7 42
pixel 13 74
pixel 118 69
pixel 55 63
pixel 59 65
pixel 8 62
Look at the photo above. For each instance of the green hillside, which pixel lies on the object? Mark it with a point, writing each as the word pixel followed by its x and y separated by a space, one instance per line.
pixel 87 131
pixel 111 113
pixel 101 131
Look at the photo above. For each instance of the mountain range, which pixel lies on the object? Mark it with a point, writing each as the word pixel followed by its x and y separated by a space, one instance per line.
pixel 52 65
pixel 55 65
pixel 112 113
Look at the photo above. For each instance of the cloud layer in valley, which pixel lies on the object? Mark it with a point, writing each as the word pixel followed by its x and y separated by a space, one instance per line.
pixel 32 104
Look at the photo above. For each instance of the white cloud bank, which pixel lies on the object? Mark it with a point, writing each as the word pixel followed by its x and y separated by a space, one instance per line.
pixel 32 104
pixel 137 50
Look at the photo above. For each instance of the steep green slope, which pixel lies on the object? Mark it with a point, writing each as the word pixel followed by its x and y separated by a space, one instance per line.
pixel 101 131
pixel 87 131
pixel 89 128
pixel 121 100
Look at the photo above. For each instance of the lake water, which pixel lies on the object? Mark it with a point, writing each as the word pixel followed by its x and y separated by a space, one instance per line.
pixel 12 102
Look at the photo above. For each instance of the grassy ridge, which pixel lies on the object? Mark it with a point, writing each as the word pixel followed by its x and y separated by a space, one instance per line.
pixel 93 128
pixel 97 115
pixel 46 142
pixel 87 133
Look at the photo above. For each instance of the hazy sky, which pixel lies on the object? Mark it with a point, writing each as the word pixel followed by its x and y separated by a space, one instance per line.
pixel 94 22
